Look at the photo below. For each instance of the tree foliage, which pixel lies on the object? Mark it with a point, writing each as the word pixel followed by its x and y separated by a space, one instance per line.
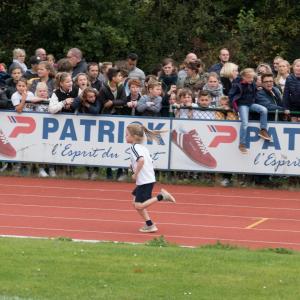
pixel 254 31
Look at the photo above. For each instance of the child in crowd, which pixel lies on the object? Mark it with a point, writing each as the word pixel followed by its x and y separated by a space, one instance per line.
pixel 143 174
pixel 183 109
pixel 168 99
pixel 225 105
pixel 82 82
pixel 64 95
pixel 214 88
pixel 87 102
pixel 150 105
pixel 203 103
pixel 133 97
pixel 242 97
pixel 41 92
pixel 22 95
pixel 291 95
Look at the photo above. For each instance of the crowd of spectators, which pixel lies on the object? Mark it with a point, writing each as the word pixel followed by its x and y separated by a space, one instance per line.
pixel 185 90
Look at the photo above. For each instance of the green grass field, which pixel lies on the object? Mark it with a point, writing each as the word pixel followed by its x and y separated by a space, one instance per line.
pixel 60 269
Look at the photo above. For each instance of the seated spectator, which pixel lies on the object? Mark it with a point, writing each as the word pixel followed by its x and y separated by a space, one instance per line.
pixel 112 94
pixel 19 56
pixel 269 96
pixel 45 74
pixel 64 94
pixel 10 83
pixel 203 102
pixel 93 71
pixel 183 109
pixel 214 88
pixel 150 104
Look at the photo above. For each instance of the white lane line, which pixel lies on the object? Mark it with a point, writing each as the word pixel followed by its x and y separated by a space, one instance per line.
pixel 177 204
pixel 105 189
pixel 153 235
pixel 137 222
pixel 131 210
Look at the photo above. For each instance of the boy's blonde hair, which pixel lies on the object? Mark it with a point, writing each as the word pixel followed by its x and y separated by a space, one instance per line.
pixel 138 132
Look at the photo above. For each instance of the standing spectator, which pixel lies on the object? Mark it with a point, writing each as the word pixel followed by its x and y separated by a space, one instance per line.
pixel 113 100
pixel 64 94
pixel 229 73
pixel 134 71
pixel 45 73
pixel 31 73
pixel 51 60
pixel 79 65
pixel 133 97
pixel 82 82
pixel 168 100
pixel 193 81
pixel 150 105
pixel 112 94
pixel 93 71
pixel 214 88
pixel 19 56
pixel 263 68
pixel 224 57
pixel 182 74
pixel 276 61
pixel 104 67
pixel 284 68
pixel 64 65
pixel 291 95
pixel 168 74
pixel 242 95
pixel 16 74
pixel 41 54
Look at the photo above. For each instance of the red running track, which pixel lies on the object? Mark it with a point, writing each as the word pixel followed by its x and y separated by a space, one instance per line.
pixel 102 211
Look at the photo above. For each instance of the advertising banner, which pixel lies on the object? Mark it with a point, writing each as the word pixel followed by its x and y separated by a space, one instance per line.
pixel 76 139
pixel 190 145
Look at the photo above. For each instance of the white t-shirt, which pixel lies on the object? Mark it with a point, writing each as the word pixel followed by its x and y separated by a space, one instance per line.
pixel 16 98
pixel 146 174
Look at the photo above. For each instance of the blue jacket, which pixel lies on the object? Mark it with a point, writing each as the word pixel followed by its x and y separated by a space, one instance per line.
pixel 268 100
pixel 242 93
pixel 291 95
pixel 216 68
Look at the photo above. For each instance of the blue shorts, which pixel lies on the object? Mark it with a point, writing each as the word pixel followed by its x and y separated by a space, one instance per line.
pixel 143 192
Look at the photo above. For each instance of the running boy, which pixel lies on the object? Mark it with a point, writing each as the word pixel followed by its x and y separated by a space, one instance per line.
pixel 143 174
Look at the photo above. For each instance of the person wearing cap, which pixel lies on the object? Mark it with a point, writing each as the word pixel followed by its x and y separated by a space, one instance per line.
pixel 31 73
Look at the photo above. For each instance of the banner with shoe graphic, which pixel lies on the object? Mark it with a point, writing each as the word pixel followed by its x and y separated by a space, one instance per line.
pixel 190 145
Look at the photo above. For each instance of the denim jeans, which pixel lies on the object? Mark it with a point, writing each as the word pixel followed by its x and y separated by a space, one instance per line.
pixel 244 116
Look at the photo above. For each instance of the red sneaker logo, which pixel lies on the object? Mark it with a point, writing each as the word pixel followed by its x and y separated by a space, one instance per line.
pixel 6 149
pixel 191 144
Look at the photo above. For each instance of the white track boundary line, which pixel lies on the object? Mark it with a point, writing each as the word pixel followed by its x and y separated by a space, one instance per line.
pixel 153 235
pixel 130 210
pixel 130 190
pixel 177 204
pixel 137 222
